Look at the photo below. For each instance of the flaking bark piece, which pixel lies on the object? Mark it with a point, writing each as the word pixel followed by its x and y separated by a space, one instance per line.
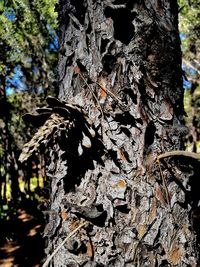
pixel 86 142
pixel 93 213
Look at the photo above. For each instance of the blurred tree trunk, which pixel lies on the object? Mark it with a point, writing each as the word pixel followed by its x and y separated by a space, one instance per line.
pixel 193 137
pixel 10 166
pixel 121 62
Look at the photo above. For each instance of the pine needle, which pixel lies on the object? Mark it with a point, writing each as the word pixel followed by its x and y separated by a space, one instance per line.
pixel 62 243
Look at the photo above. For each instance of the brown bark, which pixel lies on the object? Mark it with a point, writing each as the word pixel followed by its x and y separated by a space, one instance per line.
pixel 121 62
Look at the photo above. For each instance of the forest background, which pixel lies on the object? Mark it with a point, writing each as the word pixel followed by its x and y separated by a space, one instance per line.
pixel 29 50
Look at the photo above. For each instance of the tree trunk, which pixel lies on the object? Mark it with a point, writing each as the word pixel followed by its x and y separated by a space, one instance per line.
pixel 120 61
pixel 10 166
pixel 193 138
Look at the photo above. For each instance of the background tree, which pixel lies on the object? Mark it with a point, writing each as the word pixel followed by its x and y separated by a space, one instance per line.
pixel 120 70
pixel 28 48
pixel 190 29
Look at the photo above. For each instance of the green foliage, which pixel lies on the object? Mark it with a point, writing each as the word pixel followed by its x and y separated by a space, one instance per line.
pixel 27 28
pixel 29 49
pixel 189 25
pixel 22 102
pixel 7 211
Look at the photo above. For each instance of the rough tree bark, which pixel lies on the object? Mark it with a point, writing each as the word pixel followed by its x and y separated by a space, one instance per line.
pixel 120 61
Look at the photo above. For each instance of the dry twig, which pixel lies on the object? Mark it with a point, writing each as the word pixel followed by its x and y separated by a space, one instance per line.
pixel 62 243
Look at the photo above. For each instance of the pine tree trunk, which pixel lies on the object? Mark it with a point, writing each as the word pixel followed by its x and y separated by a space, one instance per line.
pixel 120 61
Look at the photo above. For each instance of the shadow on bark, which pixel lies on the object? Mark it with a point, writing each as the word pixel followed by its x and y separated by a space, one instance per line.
pixel 78 164
pixel 190 167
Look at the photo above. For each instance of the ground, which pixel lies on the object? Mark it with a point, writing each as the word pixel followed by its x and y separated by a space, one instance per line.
pixel 21 242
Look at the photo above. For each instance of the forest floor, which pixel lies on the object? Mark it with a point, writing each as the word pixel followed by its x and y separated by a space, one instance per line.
pixel 21 242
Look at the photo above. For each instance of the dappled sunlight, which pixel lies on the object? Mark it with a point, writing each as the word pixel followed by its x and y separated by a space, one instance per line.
pixel 9 248
pixel 7 262
pixel 34 231
pixel 21 242
pixel 24 216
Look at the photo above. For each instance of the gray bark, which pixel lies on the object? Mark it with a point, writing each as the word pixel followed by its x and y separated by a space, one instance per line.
pixel 120 61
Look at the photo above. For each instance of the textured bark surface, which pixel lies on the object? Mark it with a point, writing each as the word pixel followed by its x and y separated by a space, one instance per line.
pixel 121 62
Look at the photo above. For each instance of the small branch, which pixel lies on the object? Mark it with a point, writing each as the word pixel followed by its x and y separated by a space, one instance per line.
pixel 172 154
pixel 179 153
pixel 62 243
